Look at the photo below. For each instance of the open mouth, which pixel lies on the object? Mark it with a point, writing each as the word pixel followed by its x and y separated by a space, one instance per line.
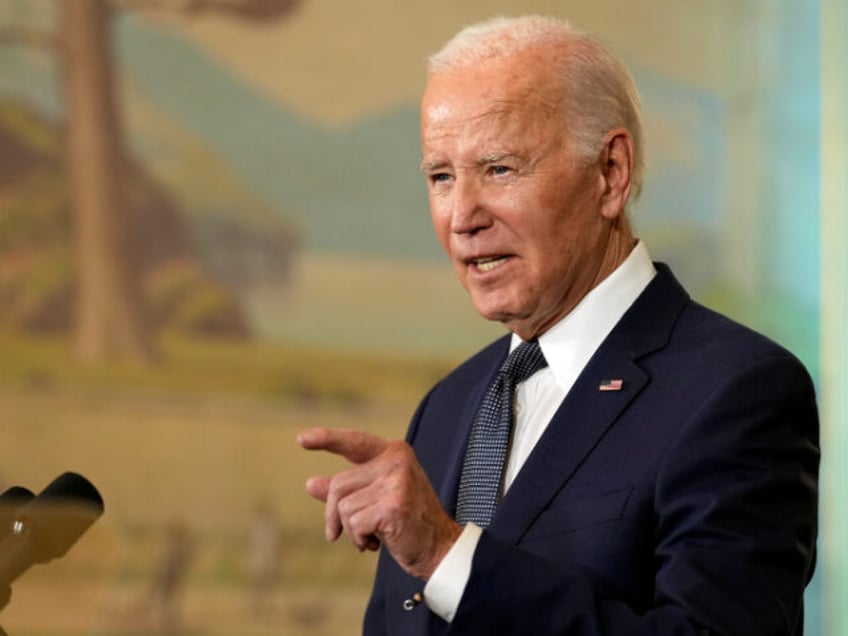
pixel 489 263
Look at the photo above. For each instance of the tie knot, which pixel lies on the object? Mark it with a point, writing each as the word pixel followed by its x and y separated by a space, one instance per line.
pixel 524 361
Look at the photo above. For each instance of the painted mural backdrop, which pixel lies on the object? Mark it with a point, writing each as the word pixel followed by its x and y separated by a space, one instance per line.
pixel 262 261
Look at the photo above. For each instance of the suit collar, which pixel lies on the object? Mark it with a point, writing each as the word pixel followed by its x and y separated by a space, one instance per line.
pixel 570 343
pixel 587 412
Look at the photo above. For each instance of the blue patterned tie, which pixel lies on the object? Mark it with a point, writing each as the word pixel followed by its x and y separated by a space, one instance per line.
pixel 482 470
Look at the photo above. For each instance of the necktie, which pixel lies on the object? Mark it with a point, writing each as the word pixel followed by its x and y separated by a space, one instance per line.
pixel 482 469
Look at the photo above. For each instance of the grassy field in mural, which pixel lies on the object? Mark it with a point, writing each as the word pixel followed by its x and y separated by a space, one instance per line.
pixel 199 440
pixel 414 307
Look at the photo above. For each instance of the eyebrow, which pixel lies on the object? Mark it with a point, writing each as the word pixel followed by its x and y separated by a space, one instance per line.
pixel 494 157
pixel 429 166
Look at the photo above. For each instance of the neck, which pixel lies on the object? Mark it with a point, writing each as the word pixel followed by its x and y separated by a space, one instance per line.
pixel 621 243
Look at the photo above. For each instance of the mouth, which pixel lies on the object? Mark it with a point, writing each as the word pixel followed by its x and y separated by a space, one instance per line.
pixel 488 263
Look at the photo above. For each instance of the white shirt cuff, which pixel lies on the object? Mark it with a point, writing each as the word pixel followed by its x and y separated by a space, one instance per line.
pixel 444 590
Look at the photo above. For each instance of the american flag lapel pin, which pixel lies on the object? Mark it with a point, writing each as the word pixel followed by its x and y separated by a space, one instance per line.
pixel 611 385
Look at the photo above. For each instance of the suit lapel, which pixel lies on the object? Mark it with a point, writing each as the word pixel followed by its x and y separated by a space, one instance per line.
pixel 578 425
pixel 587 412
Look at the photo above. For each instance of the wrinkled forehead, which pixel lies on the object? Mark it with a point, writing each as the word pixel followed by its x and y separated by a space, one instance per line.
pixel 524 77
pixel 509 94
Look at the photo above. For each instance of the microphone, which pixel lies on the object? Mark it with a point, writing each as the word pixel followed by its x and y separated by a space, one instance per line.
pixel 10 501
pixel 48 525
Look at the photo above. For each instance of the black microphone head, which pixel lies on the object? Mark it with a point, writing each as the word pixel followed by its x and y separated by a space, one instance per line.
pixel 10 501
pixel 71 487
pixel 59 515
pixel 16 495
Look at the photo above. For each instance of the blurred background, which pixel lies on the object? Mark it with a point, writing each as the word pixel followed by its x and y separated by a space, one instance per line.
pixel 213 234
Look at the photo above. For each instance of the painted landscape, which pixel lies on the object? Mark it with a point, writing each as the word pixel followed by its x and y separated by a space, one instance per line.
pixel 272 247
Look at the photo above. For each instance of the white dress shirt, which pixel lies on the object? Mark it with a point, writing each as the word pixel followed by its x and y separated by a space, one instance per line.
pixel 567 347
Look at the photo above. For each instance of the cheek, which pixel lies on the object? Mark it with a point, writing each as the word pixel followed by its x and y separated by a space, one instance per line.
pixel 438 219
pixel 552 255
pixel 441 224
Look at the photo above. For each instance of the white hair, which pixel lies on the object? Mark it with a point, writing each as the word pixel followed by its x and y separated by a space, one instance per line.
pixel 599 92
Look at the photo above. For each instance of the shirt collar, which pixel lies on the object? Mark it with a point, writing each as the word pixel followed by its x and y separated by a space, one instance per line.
pixel 570 343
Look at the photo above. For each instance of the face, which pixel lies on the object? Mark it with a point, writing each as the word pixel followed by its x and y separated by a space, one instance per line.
pixel 523 222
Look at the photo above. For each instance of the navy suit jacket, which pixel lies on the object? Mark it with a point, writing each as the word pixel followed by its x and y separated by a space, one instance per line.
pixel 683 503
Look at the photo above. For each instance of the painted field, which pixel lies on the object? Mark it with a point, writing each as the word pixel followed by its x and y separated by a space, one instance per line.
pixel 196 445
pixel 355 301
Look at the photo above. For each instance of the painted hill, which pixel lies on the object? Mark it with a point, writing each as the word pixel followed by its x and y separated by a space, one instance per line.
pixel 324 177
pixel 36 252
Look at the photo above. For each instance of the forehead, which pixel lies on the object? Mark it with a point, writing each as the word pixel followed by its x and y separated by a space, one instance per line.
pixel 495 97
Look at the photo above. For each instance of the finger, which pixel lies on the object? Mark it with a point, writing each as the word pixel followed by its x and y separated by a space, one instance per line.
pixel 355 446
pixel 358 512
pixel 332 517
pixel 348 486
pixel 318 487
pixel 373 543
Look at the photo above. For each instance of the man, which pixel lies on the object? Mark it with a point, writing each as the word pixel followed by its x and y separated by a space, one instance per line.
pixel 661 475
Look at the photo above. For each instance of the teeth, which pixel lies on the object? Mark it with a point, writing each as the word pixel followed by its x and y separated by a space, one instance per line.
pixel 488 264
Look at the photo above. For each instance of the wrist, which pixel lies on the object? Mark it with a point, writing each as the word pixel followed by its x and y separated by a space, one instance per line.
pixel 444 540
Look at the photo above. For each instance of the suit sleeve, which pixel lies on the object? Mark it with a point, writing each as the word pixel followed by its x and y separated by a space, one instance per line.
pixel 377 612
pixel 735 506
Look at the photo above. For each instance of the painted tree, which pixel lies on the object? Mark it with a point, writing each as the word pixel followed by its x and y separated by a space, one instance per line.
pixel 111 321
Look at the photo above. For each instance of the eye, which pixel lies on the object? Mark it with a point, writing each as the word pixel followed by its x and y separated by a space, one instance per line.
pixel 439 177
pixel 499 170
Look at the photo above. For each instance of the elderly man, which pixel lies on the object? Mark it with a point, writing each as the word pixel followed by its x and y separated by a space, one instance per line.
pixel 626 461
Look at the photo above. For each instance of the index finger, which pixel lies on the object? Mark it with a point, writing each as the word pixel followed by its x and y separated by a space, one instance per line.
pixel 355 446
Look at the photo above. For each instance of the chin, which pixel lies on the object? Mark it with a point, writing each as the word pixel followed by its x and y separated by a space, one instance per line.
pixel 498 306
pixel 494 313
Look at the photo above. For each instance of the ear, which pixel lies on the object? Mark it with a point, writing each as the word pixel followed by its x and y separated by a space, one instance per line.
pixel 616 172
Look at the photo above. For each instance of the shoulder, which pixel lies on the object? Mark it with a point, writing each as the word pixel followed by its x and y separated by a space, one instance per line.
pixel 708 337
pixel 451 395
pixel 481 363
pixel 701 335
pixel 473 370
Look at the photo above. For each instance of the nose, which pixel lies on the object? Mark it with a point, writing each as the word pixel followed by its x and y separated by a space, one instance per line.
pixel 469 213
